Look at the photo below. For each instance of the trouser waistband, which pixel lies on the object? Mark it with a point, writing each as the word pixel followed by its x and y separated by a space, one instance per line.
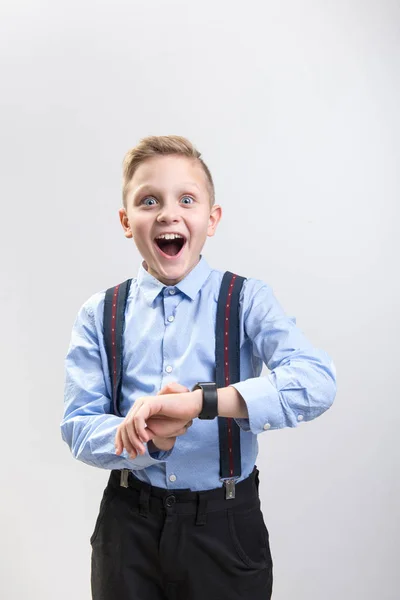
pixel 185 501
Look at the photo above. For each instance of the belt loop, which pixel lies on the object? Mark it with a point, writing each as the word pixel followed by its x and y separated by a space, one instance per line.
pixel 201 513
pixel 144 502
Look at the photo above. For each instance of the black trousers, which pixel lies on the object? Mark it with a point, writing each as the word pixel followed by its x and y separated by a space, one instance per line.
pixel 155 544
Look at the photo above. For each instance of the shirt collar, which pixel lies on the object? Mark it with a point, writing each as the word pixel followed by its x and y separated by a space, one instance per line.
pixel 190 285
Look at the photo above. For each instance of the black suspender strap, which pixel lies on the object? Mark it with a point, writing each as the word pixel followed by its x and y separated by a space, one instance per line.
pixel 113 328
pixel 227 355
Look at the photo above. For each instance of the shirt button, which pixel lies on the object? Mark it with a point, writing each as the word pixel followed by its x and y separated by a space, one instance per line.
pixel 172 477
pixel 300 418
pixel 172 292
pixel 168 369
pixel 171 319
pixel 267 426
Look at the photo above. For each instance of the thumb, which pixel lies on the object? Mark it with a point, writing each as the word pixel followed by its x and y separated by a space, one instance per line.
pixel 173 388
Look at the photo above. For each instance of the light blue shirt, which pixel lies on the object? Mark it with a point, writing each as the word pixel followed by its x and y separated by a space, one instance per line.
pixel 170 336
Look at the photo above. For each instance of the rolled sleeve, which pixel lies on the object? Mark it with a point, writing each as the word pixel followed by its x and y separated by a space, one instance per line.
pixel 301 384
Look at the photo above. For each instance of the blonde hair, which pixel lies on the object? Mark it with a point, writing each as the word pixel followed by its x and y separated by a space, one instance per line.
pixel 161 145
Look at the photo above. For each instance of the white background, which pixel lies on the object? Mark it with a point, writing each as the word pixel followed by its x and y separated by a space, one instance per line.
pixel 295 107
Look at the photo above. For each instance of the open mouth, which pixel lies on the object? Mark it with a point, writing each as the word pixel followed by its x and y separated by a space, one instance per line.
pixel 170 244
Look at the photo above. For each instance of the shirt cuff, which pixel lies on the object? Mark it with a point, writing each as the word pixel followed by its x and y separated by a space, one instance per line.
pixel 145 460
pixel 160 454
pixel 263 405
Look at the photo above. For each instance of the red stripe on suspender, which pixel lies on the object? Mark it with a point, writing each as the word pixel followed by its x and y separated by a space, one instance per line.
pixel 226 370
pixel 113 336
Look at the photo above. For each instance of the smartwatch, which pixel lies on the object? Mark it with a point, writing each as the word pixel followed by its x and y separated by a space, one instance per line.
pixel 210 400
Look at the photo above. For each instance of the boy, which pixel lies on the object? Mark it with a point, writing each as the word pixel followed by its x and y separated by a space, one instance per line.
pixel 171 527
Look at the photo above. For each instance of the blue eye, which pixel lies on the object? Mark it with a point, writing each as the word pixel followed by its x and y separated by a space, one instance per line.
pixel 146 201
pixel 188 200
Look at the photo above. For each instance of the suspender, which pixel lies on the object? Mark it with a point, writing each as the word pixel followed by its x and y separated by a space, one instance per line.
pixel 227 357
pixel 113 327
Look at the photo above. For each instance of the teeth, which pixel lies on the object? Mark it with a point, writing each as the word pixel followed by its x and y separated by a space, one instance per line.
pixel 169 236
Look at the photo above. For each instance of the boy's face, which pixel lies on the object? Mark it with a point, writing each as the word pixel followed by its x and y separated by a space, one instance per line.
pixel 169 195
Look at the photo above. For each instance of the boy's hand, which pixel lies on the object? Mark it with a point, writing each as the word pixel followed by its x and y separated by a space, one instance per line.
pixel 163 416
pixel 166 443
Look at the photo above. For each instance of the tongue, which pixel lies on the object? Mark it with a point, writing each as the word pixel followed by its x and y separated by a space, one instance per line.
pixel 170 247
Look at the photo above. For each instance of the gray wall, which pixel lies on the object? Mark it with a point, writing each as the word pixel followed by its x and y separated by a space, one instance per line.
pixel 295 108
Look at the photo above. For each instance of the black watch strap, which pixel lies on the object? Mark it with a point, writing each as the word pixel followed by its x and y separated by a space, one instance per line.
pixel 210 400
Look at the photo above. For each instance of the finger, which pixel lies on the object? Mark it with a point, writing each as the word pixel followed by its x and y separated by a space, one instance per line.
pixel 127 443
pixel 140 426
pixel 118 442
pixel 151 434
pixel 173 388
pixel 141 417
pixel 177 388
pixel 164 390
pixel 145 437
pixel 134 438
pixel 135 407
pixel 165 427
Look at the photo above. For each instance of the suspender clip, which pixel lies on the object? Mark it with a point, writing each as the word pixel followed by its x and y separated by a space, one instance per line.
pixel 229 488
pixel 123 482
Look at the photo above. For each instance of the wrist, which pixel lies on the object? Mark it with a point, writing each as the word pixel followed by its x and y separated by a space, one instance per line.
pixel 209 399
pixel 231 403
pixel 160 444
pixel 197 396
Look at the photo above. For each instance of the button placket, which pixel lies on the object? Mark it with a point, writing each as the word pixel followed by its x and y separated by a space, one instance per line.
pixel 171 302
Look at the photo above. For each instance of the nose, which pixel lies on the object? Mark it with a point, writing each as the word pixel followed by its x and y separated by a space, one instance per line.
pixel 169 214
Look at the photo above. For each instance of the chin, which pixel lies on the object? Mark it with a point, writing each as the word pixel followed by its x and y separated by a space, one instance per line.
pixel 175 273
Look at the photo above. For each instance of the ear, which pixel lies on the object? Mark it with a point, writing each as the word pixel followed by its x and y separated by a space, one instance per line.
pixel 214 219
pixel 123 217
